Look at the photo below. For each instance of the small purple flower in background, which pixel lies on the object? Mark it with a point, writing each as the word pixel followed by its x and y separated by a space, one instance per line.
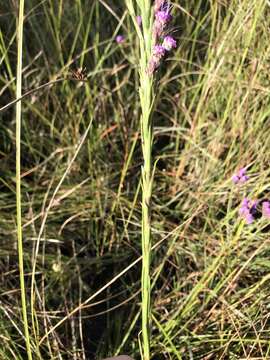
pixel 248 209
pixel 240 177
pixel 169 43
pixel 120 39
pixel 266 209
pixel 139 20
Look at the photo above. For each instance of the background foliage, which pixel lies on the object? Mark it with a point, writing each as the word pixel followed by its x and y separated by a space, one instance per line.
pixel 210 270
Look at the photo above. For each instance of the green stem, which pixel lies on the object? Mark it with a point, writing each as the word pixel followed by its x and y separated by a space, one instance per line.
pixel 18 178
pixel 146 99
pixel 147 136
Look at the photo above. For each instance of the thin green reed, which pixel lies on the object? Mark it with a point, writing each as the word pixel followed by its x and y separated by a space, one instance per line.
pixel 146 100
pixel 18 176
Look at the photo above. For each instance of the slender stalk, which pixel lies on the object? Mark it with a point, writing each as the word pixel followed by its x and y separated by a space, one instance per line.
pixel 147 136
pixel 18 178
pixel 146 100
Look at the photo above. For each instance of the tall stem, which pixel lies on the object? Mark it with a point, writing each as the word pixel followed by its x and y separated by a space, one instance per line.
pixel 18 178
pixel 146 99
pixel 147 136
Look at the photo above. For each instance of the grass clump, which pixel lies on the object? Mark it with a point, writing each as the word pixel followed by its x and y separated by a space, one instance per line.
pixel 209 270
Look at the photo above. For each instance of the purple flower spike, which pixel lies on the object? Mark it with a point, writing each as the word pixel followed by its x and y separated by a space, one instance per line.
pixel 169 43
pixel 240 177
pixel 266 209
pixel 120 39
pixel 162 12
pixel 139 20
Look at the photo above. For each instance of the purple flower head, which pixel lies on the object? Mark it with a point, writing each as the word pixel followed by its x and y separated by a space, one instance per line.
pixel 242 172
pixel 248 209
pixel 240 177
pixel 163 17
pixel 244 209
pixel 169 43
pixel 162 5
pixel 120 39
pixel 159 51
pixel 235 178
pixel 153 65
pixel 253 205
pixel 243 179
pixel 139 20
pixel 245 202
pixel 266 209
pixel 249 218
pixel 158 5
pixel 162 20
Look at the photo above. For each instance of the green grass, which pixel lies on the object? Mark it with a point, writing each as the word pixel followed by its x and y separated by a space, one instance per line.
pixel 18 177
pixel 81 164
